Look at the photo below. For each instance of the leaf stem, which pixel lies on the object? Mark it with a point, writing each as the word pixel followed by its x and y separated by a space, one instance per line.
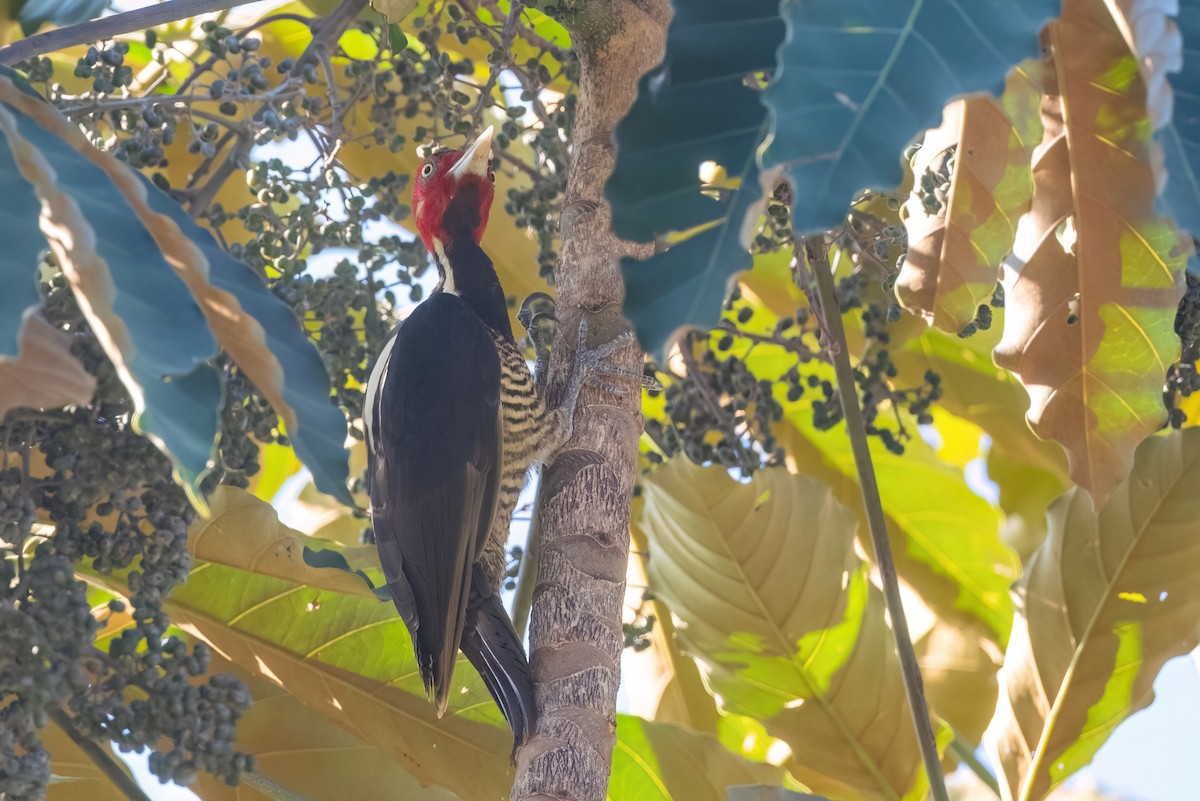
pixel 103 758
pixel 818 261
pixel 107 27
pixel 962 749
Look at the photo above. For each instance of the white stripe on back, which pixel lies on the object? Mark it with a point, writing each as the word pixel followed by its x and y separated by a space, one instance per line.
pixel 374 383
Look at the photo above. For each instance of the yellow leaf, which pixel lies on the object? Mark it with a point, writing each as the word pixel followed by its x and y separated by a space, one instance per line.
pixel 777 607
pixel 1026 491
pixel 277 463
pixel 273 550
pixel 960 439
pixel 1095 277
pixel 667 686
pixel 1085 651
pixel 1030 472
pixel 237 332
pixel 45 374
pixel 300 749
pixel 952 556
pixel 959 670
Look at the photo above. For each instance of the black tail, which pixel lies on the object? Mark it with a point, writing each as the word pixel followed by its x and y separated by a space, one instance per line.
pixel 492 645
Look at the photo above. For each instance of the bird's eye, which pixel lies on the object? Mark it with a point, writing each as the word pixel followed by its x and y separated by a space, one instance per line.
pixel 427 170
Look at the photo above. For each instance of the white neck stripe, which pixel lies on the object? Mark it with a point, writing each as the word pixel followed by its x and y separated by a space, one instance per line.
pixel 447 273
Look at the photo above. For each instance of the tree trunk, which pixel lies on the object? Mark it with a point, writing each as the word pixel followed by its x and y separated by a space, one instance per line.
pixel 575 629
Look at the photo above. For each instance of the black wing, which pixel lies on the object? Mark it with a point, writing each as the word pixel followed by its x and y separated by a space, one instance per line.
pixel 433 433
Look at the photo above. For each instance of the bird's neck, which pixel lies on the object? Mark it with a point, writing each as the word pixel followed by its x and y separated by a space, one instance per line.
pixel 468 272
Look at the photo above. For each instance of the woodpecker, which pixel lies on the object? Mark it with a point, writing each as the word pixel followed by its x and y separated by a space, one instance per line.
pixel 454 424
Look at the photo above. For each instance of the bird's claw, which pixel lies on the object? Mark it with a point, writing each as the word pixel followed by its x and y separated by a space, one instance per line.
pixel 596 372
pixel 594 358
pixel 590 367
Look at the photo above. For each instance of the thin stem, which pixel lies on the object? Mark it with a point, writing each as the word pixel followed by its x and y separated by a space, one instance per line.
pixel 501 63
pixel 104 759
pixel 527 575
pixel 107 27
pixel 966 755
pixel 327 32
pixel 914 687
pixel 270 788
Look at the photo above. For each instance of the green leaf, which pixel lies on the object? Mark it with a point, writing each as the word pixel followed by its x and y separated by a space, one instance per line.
pixel 143 314
pixel 300 391
pixel 259 331
pixel 32 14
pixel 695 107
pixel 856 80
pixel 23 244
pixel 1108 598
pixel 396 39
pixel 779 611
pixel 686 284
pixel 1030 472
pixel 945 537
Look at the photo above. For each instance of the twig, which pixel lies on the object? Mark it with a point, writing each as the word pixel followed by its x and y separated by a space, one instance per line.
pixel 328 31
pixel 107 27
pixel 966 755
pixel 818 261
pixel 95 752
pixel 270 788
pixel 502 62
pixel 527 32
pixel 235 159
pixel 527 575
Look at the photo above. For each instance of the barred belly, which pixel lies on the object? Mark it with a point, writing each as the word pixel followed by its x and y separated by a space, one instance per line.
pixel 529 432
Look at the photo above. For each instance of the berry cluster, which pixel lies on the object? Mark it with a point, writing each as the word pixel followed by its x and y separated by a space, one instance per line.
pixel 115 511
pixel 717 410
pixel 80 492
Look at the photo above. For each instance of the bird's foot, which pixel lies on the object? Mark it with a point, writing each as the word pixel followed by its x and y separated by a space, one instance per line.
pixel 591 368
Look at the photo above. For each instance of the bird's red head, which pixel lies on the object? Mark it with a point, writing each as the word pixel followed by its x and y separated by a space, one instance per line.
pixel 453 192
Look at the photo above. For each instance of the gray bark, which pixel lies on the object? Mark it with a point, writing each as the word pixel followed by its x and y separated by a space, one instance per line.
pixel 575 629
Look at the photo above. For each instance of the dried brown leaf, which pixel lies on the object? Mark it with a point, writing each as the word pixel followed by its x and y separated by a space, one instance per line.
pixel 1095 275
pixel 954 253
pixel 45 374
pixel 1108 598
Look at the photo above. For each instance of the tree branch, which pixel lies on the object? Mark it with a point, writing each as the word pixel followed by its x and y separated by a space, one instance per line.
pixel 105 761
pixel 575 628
pixel 818 261
pixel 107 27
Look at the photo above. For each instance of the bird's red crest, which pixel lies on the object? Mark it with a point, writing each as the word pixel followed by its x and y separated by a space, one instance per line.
pixel 442 176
